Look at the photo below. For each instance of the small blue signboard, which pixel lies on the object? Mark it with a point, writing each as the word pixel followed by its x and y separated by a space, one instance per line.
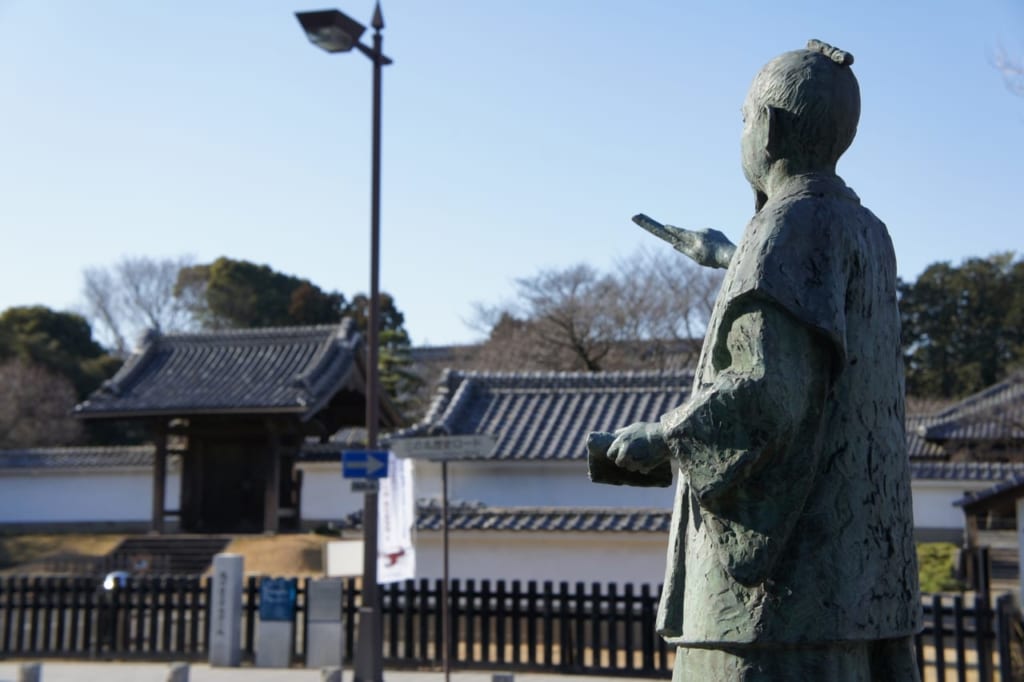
pixel 364 464
pixel 277 599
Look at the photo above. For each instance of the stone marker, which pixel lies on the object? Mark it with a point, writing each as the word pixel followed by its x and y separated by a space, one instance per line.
pixel 791 549
pixel 277 623
pixel 177 672
pixel 325 633
pixel 330 674
pixel 30 672
pixel 226 610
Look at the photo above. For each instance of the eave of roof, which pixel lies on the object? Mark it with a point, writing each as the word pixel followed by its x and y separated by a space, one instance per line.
pixel 279 370
pixel 77 458
pixel 471 517
pixel 995 413
pixel 1011 488
pixel 965 471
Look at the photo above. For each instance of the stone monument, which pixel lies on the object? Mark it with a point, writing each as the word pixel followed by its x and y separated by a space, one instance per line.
pixel 791 551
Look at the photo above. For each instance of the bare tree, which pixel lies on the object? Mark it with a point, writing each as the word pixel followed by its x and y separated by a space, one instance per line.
pixel 133 295
pixel 1012 70
pixel 648 313
pixel 35 407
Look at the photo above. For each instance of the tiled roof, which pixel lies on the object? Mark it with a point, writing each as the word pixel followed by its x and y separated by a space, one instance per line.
pixel 965 471
pixel 271 370
pixel 477 517
pixel 1011 487
pixel 994 414
pixel 99 457
pixel 917 447
pixel 548 415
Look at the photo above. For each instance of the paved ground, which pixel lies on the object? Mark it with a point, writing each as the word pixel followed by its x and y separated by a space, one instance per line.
pixel 73 671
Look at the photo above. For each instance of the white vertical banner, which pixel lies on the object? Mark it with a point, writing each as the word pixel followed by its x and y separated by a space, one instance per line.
pixel 396 514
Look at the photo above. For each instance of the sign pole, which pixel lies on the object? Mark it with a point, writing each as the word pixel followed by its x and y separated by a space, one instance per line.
pixel 446 625
pixel 442 449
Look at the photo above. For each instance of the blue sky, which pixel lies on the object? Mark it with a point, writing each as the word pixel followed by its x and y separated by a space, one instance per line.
pixel 518 135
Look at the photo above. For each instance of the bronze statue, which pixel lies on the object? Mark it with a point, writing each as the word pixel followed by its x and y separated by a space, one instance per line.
pixel 791 554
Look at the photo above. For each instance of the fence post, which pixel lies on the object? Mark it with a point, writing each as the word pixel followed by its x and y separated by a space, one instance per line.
pixel 982 630
pixel 983 574
pixel 938 637
pixel 1004 632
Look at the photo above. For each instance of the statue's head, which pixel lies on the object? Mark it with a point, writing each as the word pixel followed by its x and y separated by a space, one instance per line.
pixel 802 109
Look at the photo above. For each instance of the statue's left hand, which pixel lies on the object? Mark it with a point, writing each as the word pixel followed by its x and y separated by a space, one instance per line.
pixel 639 447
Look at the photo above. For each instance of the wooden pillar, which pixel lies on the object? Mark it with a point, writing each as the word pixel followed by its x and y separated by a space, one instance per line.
pixel 1020 550
pixel 272 491
pixel 159 477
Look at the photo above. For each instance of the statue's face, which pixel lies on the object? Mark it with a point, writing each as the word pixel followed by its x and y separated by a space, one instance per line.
pixel 754 141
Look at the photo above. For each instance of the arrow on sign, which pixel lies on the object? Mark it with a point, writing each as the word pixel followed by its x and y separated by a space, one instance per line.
pixel 364 464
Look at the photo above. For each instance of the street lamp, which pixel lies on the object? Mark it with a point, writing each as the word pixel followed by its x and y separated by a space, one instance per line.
pixel 333 31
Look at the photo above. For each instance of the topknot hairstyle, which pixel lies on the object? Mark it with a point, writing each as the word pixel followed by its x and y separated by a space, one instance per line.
pixel 840 57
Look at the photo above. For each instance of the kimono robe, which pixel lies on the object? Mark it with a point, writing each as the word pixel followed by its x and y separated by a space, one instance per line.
pixel 792 523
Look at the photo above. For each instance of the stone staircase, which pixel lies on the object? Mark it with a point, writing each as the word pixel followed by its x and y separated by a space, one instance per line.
pixel 176 554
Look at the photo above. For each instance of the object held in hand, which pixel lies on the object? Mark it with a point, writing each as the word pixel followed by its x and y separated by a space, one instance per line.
pixel 603 470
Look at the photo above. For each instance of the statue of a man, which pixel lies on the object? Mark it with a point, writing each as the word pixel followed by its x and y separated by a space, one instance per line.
pixel 791 553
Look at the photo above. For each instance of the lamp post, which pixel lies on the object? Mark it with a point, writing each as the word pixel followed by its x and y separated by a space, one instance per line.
pixel 333 31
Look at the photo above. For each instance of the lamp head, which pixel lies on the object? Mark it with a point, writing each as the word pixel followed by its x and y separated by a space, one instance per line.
pixel 330 30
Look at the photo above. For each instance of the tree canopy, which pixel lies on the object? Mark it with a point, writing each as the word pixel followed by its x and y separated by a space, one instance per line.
pixel 237 293
pixel 48 362
pixel 963 326
pixel 35 407
pixel 647 314
pixel 59 342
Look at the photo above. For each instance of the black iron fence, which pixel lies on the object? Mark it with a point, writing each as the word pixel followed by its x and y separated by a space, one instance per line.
pixel 594 628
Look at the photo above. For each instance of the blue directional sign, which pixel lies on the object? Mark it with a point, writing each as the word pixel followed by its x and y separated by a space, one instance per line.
pixel 364 464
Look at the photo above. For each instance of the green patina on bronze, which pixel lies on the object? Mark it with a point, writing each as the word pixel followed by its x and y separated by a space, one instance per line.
pixel 791 553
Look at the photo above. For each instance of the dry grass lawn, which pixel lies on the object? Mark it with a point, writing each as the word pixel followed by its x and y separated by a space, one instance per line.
pixel 279 555
pixel 18 550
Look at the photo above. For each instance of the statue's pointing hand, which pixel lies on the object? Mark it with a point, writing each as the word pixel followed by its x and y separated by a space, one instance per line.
pixel 707 247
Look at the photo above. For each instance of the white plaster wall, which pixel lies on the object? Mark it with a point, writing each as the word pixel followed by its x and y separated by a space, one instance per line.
pixel 602 557
pixel 82 496
pixel 326 496
pixel 533 484
pixel 933 501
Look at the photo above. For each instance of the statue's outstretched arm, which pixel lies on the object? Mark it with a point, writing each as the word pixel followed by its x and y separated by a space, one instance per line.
pixel 707 247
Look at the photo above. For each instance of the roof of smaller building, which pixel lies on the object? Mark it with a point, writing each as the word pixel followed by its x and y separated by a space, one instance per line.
pixel 965 471
pixel 918 448
pixel 993 414
pixel 83 457
pixel 477 517
pixel 547 415
pixel 293 370
pixel 1011 488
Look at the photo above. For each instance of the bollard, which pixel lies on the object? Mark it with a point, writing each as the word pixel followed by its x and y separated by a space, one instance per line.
pixel 177 672
pixel 330 674
pixel 30 672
